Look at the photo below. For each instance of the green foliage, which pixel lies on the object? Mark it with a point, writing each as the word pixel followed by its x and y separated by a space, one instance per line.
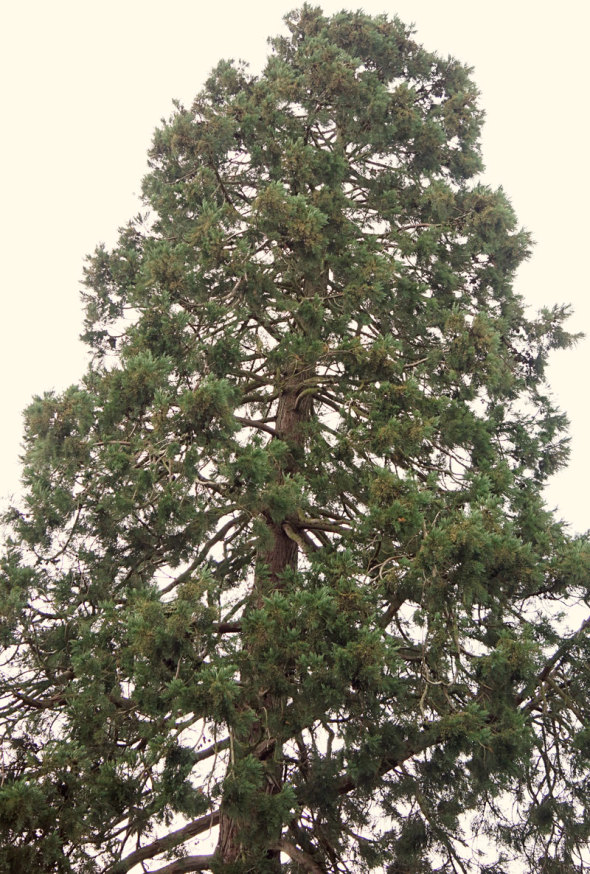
pixel 282 569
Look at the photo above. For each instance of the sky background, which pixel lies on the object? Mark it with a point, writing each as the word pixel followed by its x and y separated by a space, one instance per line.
pixel 84 84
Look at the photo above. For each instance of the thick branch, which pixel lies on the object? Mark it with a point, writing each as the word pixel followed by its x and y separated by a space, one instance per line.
pixel 298 537
pixel 40 703
pixel 252 423
pixel 168 842
pixel 211 750
pixel 227 627
pixel 321 525
pixel 298 856
pixel 188 863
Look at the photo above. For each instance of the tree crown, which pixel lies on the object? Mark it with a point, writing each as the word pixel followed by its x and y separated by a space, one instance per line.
pixel 283 568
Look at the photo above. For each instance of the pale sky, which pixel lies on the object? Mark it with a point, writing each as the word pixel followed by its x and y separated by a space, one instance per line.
pixel 84 84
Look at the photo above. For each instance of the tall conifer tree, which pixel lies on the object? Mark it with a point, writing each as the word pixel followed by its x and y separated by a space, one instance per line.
pixel 283 593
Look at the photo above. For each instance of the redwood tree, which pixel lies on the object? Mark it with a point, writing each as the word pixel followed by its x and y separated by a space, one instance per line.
pixel 282 592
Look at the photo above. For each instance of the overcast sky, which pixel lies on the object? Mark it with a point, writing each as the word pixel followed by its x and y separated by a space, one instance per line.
pixel 84 84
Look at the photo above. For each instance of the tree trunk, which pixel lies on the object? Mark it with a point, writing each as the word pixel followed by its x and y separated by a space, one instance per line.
pixel 293 411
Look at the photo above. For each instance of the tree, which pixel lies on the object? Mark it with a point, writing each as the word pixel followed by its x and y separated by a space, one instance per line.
pixel 283 575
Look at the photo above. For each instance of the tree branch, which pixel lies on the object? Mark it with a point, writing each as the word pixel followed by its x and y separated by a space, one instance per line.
pixel 227 627
pixel 433 735
pixel 188 863
pixel 298 856
pixel 168 842
pixel 552 663
pixel 320 525
pixel 211 750
pixel 219 535
pixel 252 423
pixel 299 537
pixel 40 703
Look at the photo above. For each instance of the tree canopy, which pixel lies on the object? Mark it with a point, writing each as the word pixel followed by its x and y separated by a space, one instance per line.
pixel 282 593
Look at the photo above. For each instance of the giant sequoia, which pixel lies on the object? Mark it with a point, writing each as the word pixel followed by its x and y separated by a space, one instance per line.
pixel 282 592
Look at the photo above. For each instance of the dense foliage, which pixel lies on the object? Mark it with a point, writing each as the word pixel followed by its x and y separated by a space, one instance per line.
pixel 282 593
